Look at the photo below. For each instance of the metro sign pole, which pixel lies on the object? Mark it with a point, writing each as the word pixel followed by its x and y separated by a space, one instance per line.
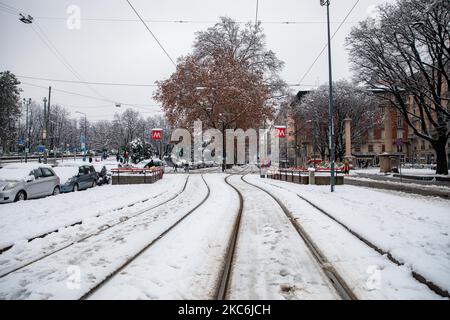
pixel 281 133
pixel 157 135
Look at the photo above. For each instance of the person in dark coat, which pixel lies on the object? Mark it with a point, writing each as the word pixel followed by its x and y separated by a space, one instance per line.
pixel 346 168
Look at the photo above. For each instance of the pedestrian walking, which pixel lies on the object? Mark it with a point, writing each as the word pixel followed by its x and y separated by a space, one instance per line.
pixel 346 168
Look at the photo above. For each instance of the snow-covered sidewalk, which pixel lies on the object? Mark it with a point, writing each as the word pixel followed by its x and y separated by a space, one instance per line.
pixel 414 229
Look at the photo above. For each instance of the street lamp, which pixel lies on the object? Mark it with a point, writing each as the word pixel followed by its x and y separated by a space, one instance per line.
pixel 330 98
pixel 85 132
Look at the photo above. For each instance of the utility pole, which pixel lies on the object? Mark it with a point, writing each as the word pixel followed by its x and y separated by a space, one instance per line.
pixel 48 113
pixel 26 130
pixel 330 98
pixel 44 134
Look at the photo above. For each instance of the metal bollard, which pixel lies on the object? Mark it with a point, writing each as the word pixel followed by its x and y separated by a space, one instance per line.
pixel 312 178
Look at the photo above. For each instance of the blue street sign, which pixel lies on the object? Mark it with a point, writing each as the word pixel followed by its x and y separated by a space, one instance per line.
pixel 21 141
pixel 41 148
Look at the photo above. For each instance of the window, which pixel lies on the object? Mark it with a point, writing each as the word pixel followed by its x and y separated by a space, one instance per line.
pixel 422 146
pixel 383 148
pixel 370 134
pixel 46 172
pixel 91 169
pixel 370 147
pixel 357 149
pixel 399 121
pixel 83 170
pixel 382 134
pixel 37 173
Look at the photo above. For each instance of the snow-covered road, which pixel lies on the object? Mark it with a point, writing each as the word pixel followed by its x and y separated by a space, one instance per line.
pixel 271 260
pixel 185 264
pixel 95 258
pixel 24 220
pixel 369 274
pixel 169 240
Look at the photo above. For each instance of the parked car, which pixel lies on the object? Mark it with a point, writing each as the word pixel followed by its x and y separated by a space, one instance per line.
pixel 22 181
pixel 75 176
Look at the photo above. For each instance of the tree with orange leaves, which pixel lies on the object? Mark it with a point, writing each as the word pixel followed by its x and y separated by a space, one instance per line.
pixel 230 80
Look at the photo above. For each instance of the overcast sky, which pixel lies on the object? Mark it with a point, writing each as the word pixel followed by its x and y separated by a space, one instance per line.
pixel 108 49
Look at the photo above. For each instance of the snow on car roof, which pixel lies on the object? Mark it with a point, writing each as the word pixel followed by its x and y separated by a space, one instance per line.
pixel 19 171
pixel 65 173
pixel 28 165
pixel 73 164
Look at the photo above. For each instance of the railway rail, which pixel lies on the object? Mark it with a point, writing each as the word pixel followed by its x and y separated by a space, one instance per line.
pixel 43 235
pixel 100 284
pixel 342 289
pixel 416 275
pixel 101 230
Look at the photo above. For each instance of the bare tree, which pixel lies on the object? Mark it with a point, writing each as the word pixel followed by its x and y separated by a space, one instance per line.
pixel 406 52
pixel 350 101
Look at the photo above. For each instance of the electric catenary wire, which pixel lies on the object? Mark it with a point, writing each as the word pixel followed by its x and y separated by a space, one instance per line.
pixel 89 82
pixel 87 96
pixel 326 45
pixel 154 37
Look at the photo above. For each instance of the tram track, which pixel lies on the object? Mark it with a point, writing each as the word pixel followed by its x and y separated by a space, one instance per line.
pixel 100 230
pixel 338 283
pixel 116 271
pixel 225 274
pixel 397 261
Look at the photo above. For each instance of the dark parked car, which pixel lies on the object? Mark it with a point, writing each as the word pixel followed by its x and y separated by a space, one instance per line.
pixel 77 177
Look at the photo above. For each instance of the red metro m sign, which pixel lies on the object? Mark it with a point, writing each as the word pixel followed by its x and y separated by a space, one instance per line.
pixel 157 134
pixel 281 131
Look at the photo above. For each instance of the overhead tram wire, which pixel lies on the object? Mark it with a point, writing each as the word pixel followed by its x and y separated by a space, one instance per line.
pixel 49 44
pixel 154 37
pixel 139 106
pixel 123 84
pixel 326 45
pixel 64 61
pixel 93 83
pixel 6 10
pixel 10 8
pixel 181 21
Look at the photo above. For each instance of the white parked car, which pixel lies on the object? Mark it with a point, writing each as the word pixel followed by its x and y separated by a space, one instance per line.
pixel 22 181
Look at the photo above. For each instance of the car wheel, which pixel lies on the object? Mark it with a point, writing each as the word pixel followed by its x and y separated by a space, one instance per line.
pixel 21 195
pixel 94 183
pixel 56 191
pixel 75 187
